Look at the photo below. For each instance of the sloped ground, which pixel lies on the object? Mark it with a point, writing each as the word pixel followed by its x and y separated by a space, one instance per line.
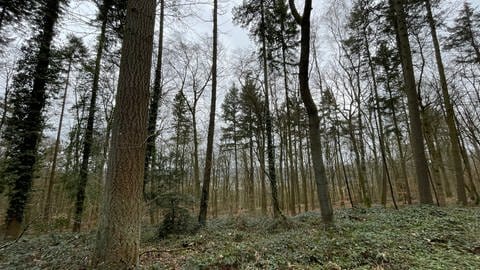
pixel 411 238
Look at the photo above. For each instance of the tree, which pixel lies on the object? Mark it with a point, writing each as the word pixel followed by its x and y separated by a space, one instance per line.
pixel 257 15
pixel 88 138
pixel 450 113
pixel 251 130
pixel 25 124
pixel 312 111
pixel 155 100
pixel 202 217
pixel 73 53
pixel 464 35
pixel 416 134
pixel 181 139
pixel 13 11
pixel 230 133
pixel 194 74
pixel 118 239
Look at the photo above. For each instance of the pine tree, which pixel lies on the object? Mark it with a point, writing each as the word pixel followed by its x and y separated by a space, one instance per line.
pixel 13 11
pixel 230 132
pixel 464 35
pixel 25 125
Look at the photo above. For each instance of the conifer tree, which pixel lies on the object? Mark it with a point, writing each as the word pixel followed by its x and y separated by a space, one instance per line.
pixel 24 126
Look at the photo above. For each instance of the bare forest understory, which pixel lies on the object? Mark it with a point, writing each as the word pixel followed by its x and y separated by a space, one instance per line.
pixel 414 237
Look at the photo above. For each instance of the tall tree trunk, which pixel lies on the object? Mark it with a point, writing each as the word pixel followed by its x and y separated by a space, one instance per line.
pixel 118 238
pixel 154 102
pixel 202 217
pixel 22 165
pixel 268 122
pixel 51 180
pixel 416 136
pixel 5 100
pixel 88 139
pixel 312 111
pixel 379 124
pixel 450 113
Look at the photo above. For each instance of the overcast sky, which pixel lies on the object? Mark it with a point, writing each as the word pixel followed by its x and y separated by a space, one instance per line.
pixel 79 14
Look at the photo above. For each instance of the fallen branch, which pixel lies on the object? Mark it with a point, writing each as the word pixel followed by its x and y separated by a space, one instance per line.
pixel 164 250
pixel 17 239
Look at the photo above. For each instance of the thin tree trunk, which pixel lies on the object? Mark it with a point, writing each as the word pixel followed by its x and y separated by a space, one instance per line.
pixel 403 162
pixel 379 124
pixel 196 163
pixel 5 100
pixel 154 102
pixel 268 119
pixel 88 139
pixel 202 217
pixel 51 180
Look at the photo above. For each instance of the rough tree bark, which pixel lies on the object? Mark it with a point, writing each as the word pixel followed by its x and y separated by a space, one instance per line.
pixel 118 238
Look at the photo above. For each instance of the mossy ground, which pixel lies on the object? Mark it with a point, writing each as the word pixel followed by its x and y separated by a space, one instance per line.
pixel 410 238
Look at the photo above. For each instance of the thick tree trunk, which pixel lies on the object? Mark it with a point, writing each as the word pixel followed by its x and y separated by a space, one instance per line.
pixel 416 136
pixel 118 238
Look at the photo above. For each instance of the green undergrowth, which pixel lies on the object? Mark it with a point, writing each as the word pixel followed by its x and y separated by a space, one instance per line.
pixel 376 238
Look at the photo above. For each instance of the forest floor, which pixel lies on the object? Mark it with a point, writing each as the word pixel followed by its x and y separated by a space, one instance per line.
pixel 412 238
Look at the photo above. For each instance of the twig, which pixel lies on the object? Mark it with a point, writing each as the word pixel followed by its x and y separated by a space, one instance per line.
pixel 164 250
pixel 16 240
